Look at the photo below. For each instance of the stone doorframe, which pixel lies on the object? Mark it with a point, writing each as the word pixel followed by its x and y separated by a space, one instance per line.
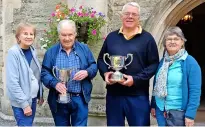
pixel 168 13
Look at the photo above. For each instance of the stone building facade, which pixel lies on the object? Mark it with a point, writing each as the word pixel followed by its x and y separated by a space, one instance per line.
pixel 156 17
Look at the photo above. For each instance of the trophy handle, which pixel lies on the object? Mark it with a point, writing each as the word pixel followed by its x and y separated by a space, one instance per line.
pixel 69 72
pixel 104 56
pixel 131 56
pixel 53 70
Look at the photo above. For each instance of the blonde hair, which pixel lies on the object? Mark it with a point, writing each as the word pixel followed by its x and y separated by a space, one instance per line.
pixel 22 26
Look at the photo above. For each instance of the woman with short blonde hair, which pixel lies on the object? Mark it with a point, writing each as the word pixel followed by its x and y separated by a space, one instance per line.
pixel 23 76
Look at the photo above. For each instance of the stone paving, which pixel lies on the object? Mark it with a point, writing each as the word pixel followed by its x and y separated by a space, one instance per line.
pixel 12 123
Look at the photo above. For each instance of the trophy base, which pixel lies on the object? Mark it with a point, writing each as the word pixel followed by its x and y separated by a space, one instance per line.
pixel 64 98
pixel 117 76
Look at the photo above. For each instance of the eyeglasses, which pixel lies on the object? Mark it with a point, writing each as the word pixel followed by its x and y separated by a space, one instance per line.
pixel 127 14
pixel 172 39
pixel 67 35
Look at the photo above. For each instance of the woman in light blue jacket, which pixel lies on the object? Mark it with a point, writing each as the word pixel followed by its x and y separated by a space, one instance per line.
pixel 177 83
pixel 23 76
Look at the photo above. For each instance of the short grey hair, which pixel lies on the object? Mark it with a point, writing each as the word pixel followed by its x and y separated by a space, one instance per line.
pixel 134 4
pixel 174 31
pixel 66 22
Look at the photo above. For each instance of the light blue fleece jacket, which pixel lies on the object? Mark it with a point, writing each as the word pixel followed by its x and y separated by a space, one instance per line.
pixel 18 77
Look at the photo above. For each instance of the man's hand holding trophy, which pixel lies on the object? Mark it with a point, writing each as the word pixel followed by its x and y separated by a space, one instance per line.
pixel 117 63
pixel 63 75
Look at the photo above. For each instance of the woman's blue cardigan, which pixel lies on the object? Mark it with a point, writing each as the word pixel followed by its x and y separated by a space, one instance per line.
pixel 191 87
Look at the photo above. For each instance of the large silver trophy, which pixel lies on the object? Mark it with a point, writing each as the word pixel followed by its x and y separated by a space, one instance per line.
pixel 63 75
pixel 117 63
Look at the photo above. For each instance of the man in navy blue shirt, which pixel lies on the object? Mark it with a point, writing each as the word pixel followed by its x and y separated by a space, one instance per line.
pixel 69 54
pixel 130 97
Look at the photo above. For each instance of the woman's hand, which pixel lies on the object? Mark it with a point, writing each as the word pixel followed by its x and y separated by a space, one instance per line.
pixel 27 111
pixel 189 122
pixel 40 101
pixel 153 113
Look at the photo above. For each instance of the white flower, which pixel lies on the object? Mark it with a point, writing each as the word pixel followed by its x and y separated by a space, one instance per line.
pixel 44 46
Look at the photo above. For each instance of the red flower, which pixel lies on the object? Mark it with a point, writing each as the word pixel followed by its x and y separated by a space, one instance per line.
pixel 92 15
pixel 63 15
pixel 86 14
pixel 72 9
pixel 80 14
pixel 58 6
pixel 52 14
pixel 94 32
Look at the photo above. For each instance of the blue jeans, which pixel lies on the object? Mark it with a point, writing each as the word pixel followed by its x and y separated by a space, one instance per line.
pixel 23 120
pixel 174 118
pixel 135 108
pixel 74 113
pixel 161 120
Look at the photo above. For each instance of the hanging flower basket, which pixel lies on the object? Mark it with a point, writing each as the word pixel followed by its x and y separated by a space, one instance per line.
pixel 82 32
pixel 88 22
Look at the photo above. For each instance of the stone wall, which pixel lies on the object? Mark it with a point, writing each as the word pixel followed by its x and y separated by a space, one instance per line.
pixel 1 51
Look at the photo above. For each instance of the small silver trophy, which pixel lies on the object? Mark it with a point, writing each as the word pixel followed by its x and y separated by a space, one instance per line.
pixel 64 77
pixel 117 63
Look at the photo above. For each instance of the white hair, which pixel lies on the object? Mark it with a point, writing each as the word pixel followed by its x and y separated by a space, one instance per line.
pixel 134 4
pixel 67 22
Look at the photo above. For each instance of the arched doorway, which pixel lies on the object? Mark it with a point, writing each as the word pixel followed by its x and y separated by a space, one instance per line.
pixel 194 31
pixel 169 13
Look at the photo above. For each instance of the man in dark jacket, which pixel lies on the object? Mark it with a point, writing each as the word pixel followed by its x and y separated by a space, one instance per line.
pixel 129 97
pixel 69 54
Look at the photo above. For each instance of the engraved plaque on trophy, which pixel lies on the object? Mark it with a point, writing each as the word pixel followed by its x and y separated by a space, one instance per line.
pixel 117 63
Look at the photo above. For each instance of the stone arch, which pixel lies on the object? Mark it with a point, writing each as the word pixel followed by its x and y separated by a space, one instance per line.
pixel 168 13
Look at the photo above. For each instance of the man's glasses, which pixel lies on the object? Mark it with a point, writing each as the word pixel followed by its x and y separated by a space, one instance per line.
pixel 127 14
